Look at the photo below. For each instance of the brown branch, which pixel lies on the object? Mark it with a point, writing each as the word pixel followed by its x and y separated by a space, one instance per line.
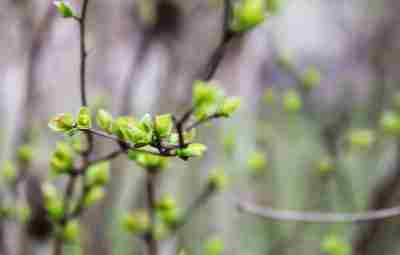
pixel 151 189
pixel 219 53
pixel 69 192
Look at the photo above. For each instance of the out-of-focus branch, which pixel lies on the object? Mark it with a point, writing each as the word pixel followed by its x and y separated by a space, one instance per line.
pixel 318 217
pixel 219 53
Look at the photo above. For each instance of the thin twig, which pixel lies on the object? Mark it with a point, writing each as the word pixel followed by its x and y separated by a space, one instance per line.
pixel 150 239
pixel 202 199
pixel 69 193
pixel 318 217
pixel 227 36
pixel 200 122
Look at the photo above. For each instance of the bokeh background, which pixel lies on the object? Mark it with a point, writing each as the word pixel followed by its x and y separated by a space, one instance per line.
pixel 289 147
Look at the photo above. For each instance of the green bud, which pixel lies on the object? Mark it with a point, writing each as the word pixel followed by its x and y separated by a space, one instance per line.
pixel 122 123
pixel 170 216
pixel 229 106
pixel 136 135
pixel 62 123
pixel 62 160
pixel 247 14
pixel 292 102
pixel 93 196
pixel 148 161
pixel 164 125
pixel 98 174
pixel 9 172
pixel 362 138
pixel 205 93
pixel 52 201
pixel 137 222
pixel 217 179
pixel 139 133
pixel 166 202
pixel 71 231
pixel 173 139
pixel 146 123
pixel 25 153
pixel 84 119
pixel 333 245
pixel 311 78
pixel 257 162
pixel 325 165
pixel 214 246
pixel 64 9
pixel 104 120
pixel 192 150
pixel 390 123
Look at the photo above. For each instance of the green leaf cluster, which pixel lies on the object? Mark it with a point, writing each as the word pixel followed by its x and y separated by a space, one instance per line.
pixel 209 100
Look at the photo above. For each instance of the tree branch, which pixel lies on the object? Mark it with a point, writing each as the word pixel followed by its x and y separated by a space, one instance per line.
pixel 318 217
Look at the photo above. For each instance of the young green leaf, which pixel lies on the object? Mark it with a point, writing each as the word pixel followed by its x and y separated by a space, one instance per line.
pixel 333 245
pixel 166 202
pixel 257 162
pixel 25 153
pixel 62 123
pixel 9 172
pixel 390 123
pixel 84 118
pixel 170 216
pixel 214 246
pixel 292 102
pixel 137 222
pixel 62 159
pixel 71 231
pixel 98 174
pixel 53 203
pixel 247 14
pixel 192 150
pixel 104 120
pixel 94 195
pixel 229 106
pixel 164 125
pixel 148 161
pixel 64 9
pixel 311 78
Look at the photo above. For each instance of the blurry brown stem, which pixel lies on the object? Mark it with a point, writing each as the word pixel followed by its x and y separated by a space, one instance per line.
pixel 151 190
pixel 219 52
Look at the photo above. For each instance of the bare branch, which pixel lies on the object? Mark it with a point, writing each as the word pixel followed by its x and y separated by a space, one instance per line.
pixel 318 217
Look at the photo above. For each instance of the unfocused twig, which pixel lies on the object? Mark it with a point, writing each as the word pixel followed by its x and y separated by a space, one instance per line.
pixel 318 217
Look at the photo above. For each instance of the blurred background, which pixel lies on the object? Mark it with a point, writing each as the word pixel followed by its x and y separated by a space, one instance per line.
pixel 317 131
